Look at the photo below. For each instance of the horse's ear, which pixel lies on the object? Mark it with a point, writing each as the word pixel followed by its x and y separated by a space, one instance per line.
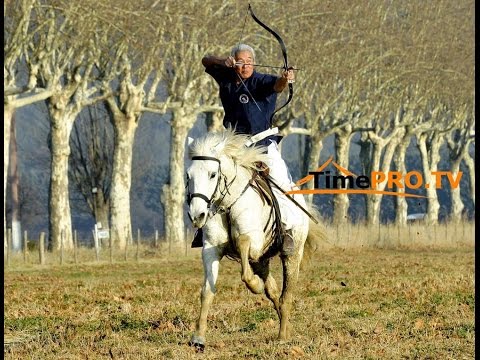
pixel 219 147
pixel 190 140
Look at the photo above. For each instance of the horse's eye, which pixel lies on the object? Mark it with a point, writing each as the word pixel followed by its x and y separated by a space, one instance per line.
pixel 212 175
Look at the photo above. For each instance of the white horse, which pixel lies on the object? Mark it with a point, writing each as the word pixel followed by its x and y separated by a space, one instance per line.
pixel 235 222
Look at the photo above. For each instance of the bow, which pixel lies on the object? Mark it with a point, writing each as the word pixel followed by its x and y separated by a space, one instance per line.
pixel 285 63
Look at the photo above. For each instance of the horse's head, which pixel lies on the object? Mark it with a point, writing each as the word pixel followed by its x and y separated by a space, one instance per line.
pixel 204 183
pixel 216 160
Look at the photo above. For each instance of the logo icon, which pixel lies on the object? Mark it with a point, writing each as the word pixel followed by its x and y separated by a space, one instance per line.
pixel 243 98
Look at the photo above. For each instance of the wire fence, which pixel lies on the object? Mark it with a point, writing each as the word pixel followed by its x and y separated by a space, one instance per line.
pixel 35 252
pixel 414 235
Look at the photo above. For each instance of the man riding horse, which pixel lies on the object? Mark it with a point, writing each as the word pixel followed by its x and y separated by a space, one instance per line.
pixel 248 98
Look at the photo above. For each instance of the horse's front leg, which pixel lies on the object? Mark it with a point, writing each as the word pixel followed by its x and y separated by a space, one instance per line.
pixel 211 257
pixel 253 281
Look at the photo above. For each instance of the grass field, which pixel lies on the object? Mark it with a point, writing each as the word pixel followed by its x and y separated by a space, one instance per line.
pixel 404 303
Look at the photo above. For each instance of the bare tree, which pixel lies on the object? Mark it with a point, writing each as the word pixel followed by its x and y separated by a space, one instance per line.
pixel 69 43
pixel 20 87
pixel 131 63
pixel 414 121
pixel 190 92
pixel 429 143
pixel 383 140
pixel 458 141
pixel 470 163
pixel 14 186
pixel 91 160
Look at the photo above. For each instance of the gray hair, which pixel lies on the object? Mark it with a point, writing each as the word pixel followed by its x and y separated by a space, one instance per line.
pixel 243 47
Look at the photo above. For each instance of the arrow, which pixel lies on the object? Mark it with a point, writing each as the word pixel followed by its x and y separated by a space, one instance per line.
pixel 268 66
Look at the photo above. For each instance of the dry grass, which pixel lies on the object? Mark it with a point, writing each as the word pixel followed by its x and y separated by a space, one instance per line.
pixel 358 303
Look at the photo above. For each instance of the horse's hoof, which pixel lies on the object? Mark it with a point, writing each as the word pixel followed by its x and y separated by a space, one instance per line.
pixel 198 342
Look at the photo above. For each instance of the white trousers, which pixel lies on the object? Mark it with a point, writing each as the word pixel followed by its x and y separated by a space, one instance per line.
pixel 291 214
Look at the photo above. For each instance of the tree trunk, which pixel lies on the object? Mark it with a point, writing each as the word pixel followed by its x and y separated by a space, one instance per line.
pixel 120 219
pixel 7 121
pixel 372 200
pixel 213 120
pixel 457 203
pixel 401 205
pixel 313 149
pixel 471 172
pixel 342 150
pixel 101 209
pixel 14 180
pixel 173 196
pixel 60 217
pixel 430 161
pixel 382 164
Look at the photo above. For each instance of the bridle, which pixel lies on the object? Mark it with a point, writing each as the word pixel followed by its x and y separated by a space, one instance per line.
pixel 223 193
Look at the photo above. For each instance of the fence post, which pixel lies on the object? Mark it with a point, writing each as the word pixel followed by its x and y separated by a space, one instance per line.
pixel 41 248
pixel 155 243
pixel 25 243
pixel 75 246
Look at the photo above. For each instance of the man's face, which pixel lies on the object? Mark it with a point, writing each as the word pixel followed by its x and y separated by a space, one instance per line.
pixel 246 69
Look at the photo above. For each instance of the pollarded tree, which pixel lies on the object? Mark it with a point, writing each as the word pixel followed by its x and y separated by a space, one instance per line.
pixel 458 141
pixel 67 45
pixel 470 164
pixel 90 164
pixel 14 186
pixel 429 143
pixel 20 71
pixel 378 148
pixel 131 62
pixel 414 121
pixel 192 32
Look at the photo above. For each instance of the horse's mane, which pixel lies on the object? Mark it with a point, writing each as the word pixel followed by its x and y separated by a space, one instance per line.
pixel 228 143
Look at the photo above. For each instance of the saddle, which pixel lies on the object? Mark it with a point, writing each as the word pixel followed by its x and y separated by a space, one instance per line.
pixel 262 185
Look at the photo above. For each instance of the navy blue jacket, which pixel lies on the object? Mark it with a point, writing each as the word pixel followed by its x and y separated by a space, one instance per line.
pixel 246 115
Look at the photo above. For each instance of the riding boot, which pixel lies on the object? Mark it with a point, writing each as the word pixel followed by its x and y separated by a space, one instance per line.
pixel 288 246
pixel 198 239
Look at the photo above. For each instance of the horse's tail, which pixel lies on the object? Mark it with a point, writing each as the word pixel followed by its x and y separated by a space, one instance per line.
pixel 316 235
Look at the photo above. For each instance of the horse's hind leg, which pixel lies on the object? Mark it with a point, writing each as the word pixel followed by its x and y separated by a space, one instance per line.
pixel 271 289
pixel 253 281
pixel 290 275
pixel 211 259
